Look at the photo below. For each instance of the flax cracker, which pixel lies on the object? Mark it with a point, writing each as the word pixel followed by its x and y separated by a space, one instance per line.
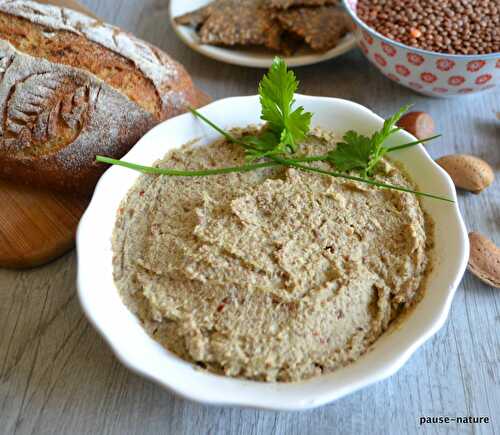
pixel 196 18
pixel 235 22
pixel 320 27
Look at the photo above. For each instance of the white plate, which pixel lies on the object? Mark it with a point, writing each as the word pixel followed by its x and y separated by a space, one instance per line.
pixel 257 58
pixel 133 346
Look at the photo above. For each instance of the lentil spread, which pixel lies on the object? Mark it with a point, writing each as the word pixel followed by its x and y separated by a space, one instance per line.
pixel 271 275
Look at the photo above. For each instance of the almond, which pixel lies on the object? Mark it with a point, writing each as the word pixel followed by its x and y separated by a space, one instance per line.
pixel 419 124
pixel 467 172
pixel 484 260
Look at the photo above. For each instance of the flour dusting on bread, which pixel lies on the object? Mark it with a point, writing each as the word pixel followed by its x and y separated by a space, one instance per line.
pixel 159 68
pixel 57 118
pixel 72 87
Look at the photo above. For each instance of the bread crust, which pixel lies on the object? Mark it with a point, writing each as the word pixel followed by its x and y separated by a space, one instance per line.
pixel 60 107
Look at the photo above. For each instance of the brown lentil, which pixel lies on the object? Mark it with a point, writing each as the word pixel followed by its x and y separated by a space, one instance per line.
pixel 444 26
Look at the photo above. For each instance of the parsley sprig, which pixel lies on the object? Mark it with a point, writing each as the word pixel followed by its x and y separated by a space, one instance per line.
pixel 286 127
pixel 364 153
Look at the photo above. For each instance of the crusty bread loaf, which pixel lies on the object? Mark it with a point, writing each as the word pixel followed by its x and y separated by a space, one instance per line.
pixel 72 87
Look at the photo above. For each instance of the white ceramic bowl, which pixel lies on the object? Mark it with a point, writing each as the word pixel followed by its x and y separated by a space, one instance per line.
pixel 250 57
pixel 426 72
pixel 134 348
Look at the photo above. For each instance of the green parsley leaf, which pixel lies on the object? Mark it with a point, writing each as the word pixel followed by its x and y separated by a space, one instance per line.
pixel 379 137
pixel 364 153
pixel 297 126
pixel 276 92
pixel 389 127
pixel 353 153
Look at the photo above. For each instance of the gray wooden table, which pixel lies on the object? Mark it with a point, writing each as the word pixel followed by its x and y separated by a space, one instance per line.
pixel 58 377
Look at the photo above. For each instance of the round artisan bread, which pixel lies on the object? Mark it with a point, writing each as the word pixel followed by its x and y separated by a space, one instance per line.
pixel 72 87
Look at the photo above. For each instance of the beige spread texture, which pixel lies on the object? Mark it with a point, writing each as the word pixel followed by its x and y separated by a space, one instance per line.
pixel 274 275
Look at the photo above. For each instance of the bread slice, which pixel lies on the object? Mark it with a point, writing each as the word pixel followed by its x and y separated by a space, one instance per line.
pixel 72 87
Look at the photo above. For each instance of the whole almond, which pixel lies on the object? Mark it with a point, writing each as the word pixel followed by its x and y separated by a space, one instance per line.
pixel 467 172
pixel 484 260
pixel 419 124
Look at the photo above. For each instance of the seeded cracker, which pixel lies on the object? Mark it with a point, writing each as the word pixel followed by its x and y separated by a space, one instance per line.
pixel 321 27
pixel 196 18
pixel 285 4
pixel 235 22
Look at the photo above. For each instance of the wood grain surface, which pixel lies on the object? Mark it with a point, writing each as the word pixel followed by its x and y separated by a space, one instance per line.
pixel 37 226
pixel 57 376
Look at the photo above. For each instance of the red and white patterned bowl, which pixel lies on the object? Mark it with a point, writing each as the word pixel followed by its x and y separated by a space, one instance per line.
pixel 426 72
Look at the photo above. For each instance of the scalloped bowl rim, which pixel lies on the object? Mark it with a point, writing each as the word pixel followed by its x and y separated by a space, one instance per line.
pixel 140 353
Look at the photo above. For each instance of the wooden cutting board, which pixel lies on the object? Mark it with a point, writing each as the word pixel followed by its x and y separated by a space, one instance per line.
pixel 37 226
